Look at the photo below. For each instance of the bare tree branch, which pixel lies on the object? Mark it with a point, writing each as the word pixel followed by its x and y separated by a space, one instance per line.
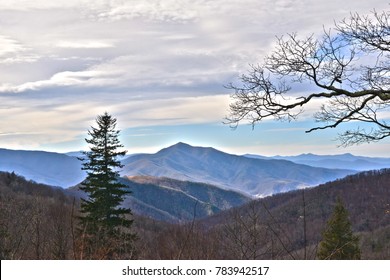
pixel 349 91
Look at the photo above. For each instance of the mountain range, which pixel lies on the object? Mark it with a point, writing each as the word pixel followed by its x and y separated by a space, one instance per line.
pixel 249 174
pixel 358 163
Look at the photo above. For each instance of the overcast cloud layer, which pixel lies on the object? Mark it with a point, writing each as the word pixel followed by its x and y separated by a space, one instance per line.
pixel 154 63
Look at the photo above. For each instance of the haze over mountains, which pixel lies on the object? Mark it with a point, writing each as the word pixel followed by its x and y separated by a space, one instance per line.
pixel 253 176
pixel 181 182
pixel 341 161
pixel 43 167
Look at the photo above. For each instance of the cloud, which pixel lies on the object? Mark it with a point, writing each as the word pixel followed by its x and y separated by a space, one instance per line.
pixel 153 10
pixel 62 122
pixel 175 111
pixel 23 5
pixel 12 51
pixel 84 45
pixel 9 46
pixel 61 79
pixel 148 62
pixel 185 73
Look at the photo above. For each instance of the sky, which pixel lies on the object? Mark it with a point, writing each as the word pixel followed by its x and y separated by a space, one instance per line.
pixel 158 66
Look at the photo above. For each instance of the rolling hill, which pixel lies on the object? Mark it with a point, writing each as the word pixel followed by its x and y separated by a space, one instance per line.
pixel 174 201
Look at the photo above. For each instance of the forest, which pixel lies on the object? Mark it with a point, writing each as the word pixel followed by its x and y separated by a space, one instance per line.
pixel 39 222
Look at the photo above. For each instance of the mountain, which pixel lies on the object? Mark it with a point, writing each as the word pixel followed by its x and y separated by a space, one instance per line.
pixel 174 201
pixel 341 161
pixel 44 167
pixel 252 176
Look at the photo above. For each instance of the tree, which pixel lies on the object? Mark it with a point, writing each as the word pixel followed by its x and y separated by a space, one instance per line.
pixel 245 236
pixel 339 242
pixel 330 63
pixel 104 225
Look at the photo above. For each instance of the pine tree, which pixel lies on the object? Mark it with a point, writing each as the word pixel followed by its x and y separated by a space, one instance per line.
pixel 104 224
pixel 339 242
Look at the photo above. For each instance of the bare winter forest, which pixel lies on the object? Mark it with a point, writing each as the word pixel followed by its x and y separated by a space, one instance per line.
pixel 38 222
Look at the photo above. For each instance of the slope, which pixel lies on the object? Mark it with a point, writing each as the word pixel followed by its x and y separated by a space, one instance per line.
pixel 365 195
pixel 175 201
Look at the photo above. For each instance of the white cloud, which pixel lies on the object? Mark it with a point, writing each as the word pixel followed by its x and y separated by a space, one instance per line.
pixel 154 10
pixel 24 5
pixel 50 123
pixel 152 62
pixel 9 46
pixel 84 45
pixel 61 79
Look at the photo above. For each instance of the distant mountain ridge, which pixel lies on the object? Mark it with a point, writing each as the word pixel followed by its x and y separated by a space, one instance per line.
pixel 43 167
pixel 341 161
pixel 247 175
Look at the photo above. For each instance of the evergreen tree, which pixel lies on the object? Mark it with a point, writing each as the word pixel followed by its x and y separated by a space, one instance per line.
pixel 339 242
pixel 104 225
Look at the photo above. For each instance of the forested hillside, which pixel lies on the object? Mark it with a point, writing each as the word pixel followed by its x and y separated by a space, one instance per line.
pixel 274 227
pixel 37 222
pixel 172 200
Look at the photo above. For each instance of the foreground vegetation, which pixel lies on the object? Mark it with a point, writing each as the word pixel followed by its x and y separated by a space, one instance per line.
pixel 38 222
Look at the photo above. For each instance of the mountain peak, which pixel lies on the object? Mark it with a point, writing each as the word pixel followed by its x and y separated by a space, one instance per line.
pixel 181 145
pixel 184 147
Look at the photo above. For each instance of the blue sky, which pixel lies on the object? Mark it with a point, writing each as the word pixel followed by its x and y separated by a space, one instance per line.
pixel 158 66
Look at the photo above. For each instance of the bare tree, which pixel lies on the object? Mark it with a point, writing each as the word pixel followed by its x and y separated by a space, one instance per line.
pixel 349 67
pixel 245 234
